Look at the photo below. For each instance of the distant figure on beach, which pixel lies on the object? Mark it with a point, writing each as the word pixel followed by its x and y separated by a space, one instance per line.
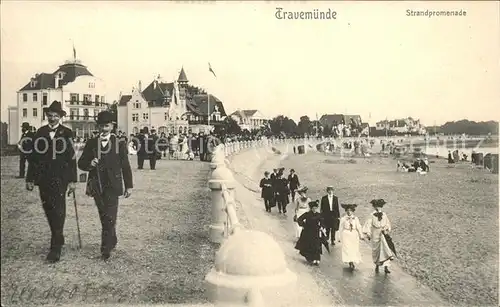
pixel 450 158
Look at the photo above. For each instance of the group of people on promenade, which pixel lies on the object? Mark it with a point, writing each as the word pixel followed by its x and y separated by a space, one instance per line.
pixel 317 222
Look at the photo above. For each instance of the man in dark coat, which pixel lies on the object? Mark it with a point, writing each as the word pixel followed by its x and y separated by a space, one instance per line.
pixel 294 183
pixel 267 191
pixel 52 167
pixel 142 151
pixel 25 145
pixel 106 160
pixel 331 213
pixel 152 148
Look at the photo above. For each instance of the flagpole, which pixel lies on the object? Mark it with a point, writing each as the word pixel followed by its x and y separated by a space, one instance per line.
pixel 208 109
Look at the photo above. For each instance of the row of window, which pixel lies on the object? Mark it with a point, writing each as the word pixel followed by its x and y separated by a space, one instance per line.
pixel 34 98
pixel 145 116
pixel 75 98
pixel 25 112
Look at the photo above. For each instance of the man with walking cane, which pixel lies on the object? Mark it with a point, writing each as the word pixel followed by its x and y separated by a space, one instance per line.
pixel 52 167
pixel 106 160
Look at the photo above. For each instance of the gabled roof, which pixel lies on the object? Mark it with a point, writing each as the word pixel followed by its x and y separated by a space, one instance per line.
pixel 355 118
pixel 124 100
pixel 156 95
pixel 70 70
pixel 330 119
pixel 182 76
pixel 199 105
pixel 244 113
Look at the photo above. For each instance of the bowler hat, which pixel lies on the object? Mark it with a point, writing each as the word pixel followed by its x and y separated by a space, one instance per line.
pixel 25 125
pixel 55 107
pixel 105 117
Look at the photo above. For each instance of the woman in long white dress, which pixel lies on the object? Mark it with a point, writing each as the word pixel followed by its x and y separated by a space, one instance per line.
pixel 301 207
pixel 374 228
pixel 351 232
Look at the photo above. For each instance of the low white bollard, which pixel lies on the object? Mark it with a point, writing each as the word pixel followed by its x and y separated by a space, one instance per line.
pixel 244 275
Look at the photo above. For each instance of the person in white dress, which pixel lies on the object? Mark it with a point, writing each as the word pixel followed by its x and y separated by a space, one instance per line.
pixel 301 207
pixel 374 228
pixel 351 232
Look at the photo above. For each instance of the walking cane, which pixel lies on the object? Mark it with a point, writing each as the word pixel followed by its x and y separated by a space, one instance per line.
pixel 77 221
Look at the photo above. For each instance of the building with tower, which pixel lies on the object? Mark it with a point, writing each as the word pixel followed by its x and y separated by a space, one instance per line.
pixel 174 107
pixel 82 95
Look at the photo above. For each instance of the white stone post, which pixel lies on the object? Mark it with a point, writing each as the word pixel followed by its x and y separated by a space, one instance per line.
pixel 220 175
pixel 244 275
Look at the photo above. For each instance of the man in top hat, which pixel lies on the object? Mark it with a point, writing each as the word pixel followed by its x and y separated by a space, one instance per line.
pixel 331 213
pixel 52 167
pixel 25 145
pixel 106 160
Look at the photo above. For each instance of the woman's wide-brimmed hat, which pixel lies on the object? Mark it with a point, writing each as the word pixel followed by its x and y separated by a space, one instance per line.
pixel 349 206
pixel 55 107
pixel 314 204
pixel 105 117
pixel 378 202
pixel 302 189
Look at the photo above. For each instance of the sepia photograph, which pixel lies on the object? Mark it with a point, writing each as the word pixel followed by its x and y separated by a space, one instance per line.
pixel 249 153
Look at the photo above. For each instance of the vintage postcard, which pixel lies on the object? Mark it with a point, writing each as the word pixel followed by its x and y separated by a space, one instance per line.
pixel 250 153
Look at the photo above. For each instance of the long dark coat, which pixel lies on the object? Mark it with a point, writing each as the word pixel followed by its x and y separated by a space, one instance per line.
pixel 52 160
pixel 309 243
pixel 281 190
pixel 114 167
pixel 331 217
pixel 267 191
pixel 293 181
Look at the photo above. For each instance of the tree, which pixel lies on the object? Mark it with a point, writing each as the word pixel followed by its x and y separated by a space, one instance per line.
pixel 113 108
pixel 228 126
pixel 282 124
pixel 305 125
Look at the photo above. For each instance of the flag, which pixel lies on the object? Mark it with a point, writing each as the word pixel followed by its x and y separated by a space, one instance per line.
pixel 74 52
pixel 211 70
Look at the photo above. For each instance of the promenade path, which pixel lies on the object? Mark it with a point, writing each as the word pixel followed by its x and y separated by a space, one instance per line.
pixel 331 283
pixel 163 253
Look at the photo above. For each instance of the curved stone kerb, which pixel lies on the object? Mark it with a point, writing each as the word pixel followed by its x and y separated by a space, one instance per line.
pixel 250 253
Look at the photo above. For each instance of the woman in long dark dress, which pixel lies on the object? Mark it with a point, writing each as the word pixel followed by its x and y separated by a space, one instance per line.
pixel 309 243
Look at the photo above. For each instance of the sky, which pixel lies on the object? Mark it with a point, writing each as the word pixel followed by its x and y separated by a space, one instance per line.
pixel 372 60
